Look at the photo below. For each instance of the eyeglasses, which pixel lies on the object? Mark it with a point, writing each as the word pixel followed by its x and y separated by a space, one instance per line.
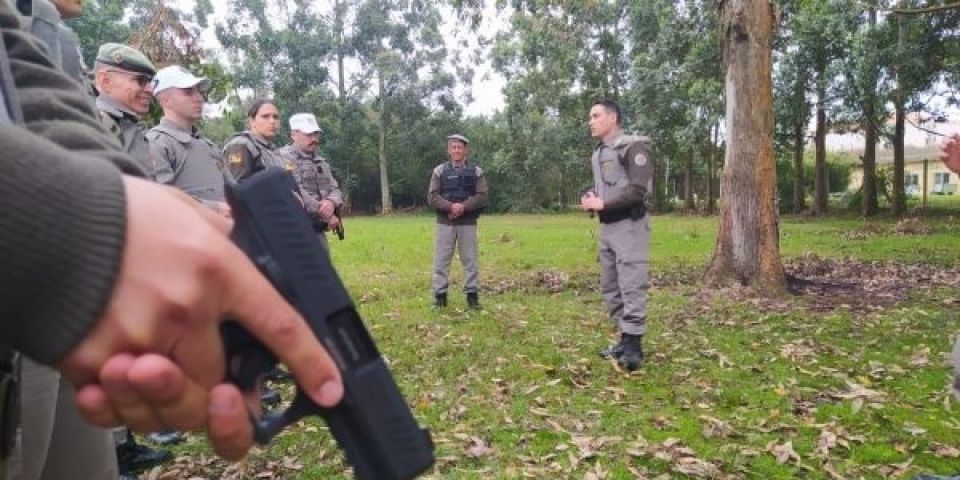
pixel 142 79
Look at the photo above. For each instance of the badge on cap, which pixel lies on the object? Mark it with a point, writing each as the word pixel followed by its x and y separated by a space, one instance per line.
pixel 640 159
pixel 117 57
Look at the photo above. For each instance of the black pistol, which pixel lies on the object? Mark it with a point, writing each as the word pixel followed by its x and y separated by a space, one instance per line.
pixel 373 423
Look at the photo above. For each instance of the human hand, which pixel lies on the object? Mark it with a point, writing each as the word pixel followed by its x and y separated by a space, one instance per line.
pixel 950 153
pixel 223 208
pixel 333 222
pixel 174 286
pixel 590 201
pixel 456 210
pixel 326 209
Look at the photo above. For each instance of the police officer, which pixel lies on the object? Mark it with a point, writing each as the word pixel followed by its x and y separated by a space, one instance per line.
pixel 252 150
pixel 321 193
pixel 185 158
pixel 124 78
pixel 458 192
pixel 622 176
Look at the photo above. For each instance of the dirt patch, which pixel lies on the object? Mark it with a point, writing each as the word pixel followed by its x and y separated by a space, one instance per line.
pixel 828 284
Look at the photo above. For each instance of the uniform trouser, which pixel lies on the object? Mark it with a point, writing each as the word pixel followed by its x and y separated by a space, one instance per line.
pixel 463 237
pixel 323 241
pixel 55 442
pixel 624 257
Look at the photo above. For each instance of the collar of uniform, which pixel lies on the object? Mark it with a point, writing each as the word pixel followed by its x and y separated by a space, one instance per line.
pixel 614 140
pixel 114 109
pixel 262 141
pixel 175 131
pixel 454 165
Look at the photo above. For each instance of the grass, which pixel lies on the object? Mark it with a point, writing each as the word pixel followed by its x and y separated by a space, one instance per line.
pixel 730 389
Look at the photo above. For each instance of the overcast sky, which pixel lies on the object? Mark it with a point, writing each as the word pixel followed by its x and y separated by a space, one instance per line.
pixel 487 84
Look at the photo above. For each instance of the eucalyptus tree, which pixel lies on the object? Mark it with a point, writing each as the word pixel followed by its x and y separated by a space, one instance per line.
pixel 747 249
pixel 399 44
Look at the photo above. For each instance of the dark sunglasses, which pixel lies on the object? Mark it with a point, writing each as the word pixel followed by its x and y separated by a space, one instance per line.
pixel 142 79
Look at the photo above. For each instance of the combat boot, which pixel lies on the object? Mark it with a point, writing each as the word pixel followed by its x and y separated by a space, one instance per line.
pixel 632 355
pixel 473 301
pixel 133 457
pixel 615 350
pixel 440 300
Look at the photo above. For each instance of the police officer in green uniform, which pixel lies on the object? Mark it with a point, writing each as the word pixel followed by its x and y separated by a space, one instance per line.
pixel 124 79
pixel 622 176
pixel 185 158
pixel 458 192
pixel 319 190
pixel 253 150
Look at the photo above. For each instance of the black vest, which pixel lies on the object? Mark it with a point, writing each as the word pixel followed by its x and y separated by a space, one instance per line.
pixel 458 184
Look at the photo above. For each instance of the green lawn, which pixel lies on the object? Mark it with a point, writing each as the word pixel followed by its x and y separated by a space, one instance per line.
pixel 832 386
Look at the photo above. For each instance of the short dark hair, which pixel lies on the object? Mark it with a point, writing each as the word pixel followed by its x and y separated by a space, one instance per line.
pixel 257 105
pixel 611 107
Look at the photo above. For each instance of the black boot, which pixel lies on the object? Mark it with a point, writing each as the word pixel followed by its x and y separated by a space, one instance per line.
pixel 473 301
pixel 615 350
pixel 632 355
pixel 133 457
pixel 440 300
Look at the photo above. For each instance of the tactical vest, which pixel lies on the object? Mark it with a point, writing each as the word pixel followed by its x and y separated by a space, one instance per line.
pixel 262 157
pixel 195 169
pixel 43 20
pixel 457 185
pixel 609 164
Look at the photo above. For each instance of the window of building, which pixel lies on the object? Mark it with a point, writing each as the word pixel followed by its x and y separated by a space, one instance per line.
pixel 911 183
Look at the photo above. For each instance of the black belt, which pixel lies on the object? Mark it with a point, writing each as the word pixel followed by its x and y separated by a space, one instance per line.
pixel 614 216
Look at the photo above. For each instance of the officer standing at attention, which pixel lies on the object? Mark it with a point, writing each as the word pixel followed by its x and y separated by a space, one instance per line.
pixel 252 150
pixel 622 176
pixel 458 192
pixel 124 78
pixel 320 191
pixel 185 158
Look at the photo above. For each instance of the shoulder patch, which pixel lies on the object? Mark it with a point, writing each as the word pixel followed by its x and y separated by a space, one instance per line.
pixel 640 159
pixel 235 159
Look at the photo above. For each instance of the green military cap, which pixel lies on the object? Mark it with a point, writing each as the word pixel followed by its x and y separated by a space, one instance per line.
pixel 125 57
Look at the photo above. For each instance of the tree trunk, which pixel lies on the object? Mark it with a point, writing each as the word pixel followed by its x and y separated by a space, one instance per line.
pixel 868 189
pixel 339 11
pixel 711 173
pixel 386 204
pixel 748 249
pixel 896 185
pixel 799 141
pixel 820 167
pixel 688 203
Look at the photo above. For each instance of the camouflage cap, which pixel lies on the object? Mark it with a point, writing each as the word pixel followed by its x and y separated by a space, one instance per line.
pixel 459 138
pixel 126 58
